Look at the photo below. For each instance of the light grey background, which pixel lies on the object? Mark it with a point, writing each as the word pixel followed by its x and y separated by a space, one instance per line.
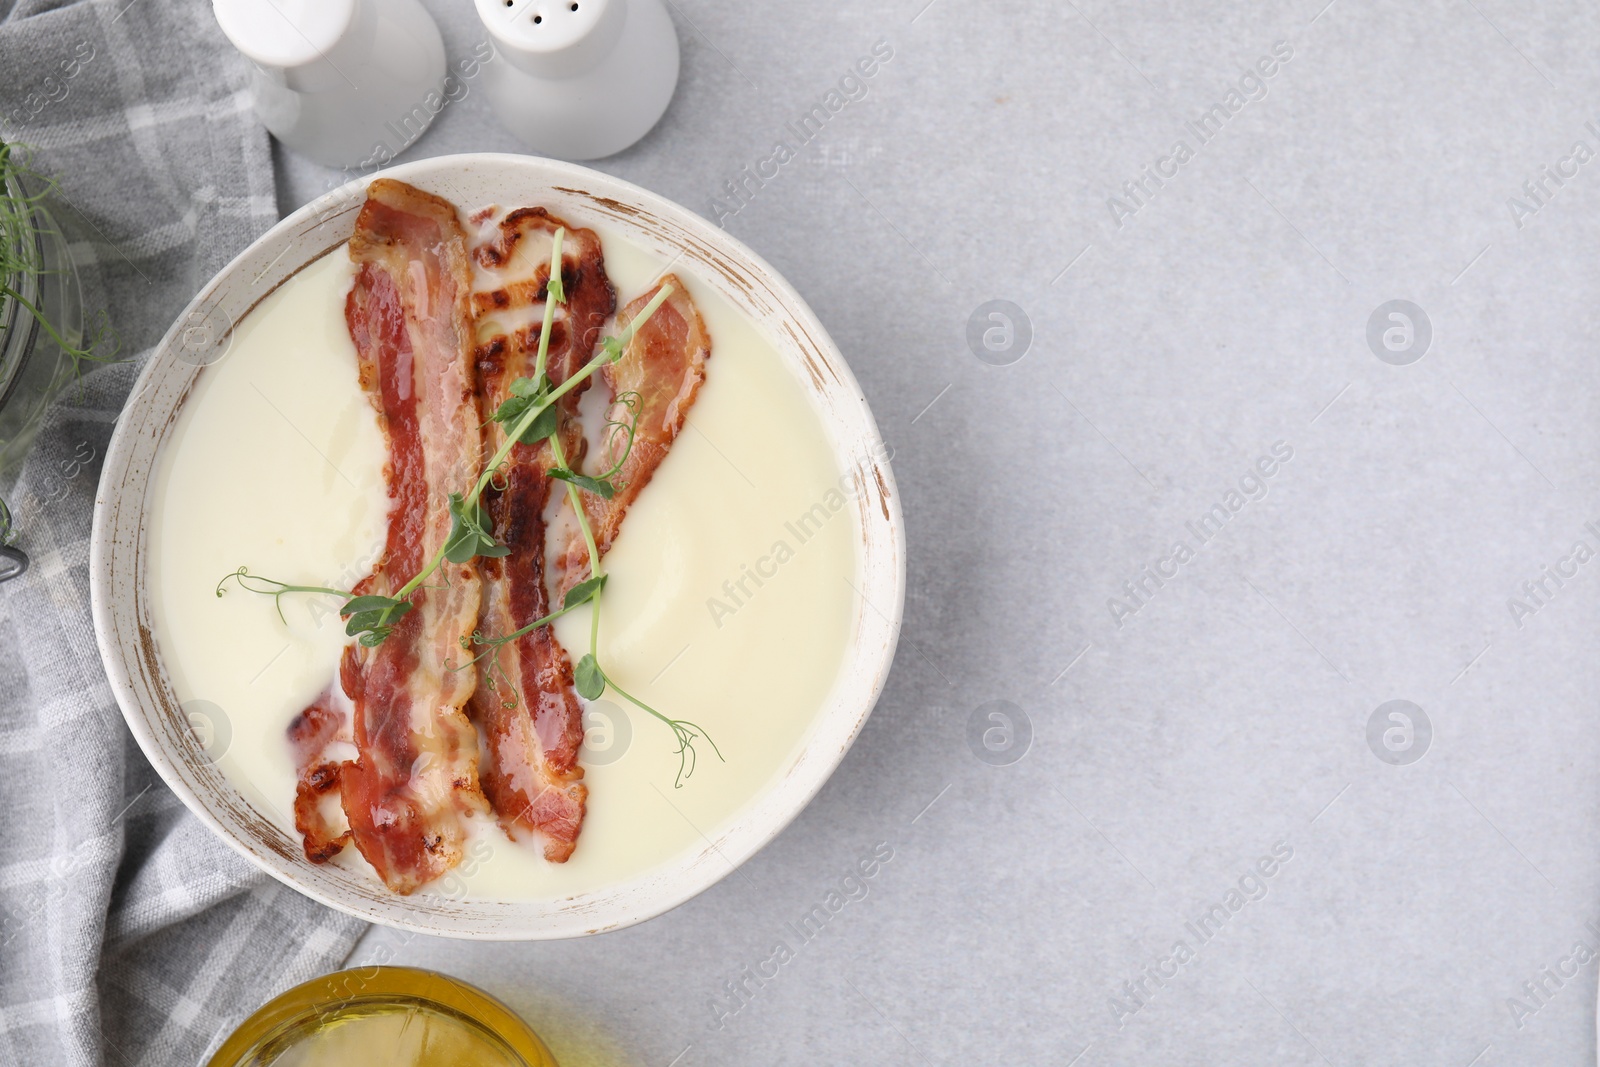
pixel 1230 714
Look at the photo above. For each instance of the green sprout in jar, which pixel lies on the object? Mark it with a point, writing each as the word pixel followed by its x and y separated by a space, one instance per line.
pixel 44 340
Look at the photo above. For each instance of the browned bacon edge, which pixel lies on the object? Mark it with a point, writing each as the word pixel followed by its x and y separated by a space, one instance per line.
pixel 310 734
pixel 663 366
pixel 530 719
pixel 415 775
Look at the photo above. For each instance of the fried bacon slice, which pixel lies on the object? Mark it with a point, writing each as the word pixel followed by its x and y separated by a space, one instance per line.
pixel 311 734
pixel 436 352
pixel 409 313
pixel 658 376
pixel 530 720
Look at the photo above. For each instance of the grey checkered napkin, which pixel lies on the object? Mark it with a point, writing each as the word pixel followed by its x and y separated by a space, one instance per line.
pixel 128 933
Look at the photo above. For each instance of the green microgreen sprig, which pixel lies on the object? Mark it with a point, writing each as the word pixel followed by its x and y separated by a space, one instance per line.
pixel 370 617
pixel 590 679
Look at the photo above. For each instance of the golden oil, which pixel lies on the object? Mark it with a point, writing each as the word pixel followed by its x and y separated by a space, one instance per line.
pixel 386 1017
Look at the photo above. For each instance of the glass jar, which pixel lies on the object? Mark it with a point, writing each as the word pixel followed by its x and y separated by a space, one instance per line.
pixel 33 367
pixel 388 1016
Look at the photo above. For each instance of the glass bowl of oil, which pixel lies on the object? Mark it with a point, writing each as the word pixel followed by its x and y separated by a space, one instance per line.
pixel 388 1016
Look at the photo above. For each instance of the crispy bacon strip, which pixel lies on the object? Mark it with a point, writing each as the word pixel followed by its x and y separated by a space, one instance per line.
pixel 514 264
pixel 310 734
pixel 525 707
pixel 662 369
pixel 409 314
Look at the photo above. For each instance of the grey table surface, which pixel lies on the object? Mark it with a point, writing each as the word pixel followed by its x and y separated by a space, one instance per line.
pixel 1438 903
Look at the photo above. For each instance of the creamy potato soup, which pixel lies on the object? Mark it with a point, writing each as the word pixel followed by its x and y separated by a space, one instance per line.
pixel 729 602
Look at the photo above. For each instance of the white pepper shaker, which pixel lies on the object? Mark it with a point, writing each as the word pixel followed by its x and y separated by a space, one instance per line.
pixel 345 83
pixel 581 79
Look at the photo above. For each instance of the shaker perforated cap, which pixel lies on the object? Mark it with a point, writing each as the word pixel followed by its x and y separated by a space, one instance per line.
pixel 542 26
pixel 284 33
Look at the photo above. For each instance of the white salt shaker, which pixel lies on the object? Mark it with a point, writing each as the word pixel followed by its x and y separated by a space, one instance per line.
pixel 581 79
pixel 342 82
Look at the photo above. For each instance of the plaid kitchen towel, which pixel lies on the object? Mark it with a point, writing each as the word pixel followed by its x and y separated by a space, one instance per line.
pixel 128 933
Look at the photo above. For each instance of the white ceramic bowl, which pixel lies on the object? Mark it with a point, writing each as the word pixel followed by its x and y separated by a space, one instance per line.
pixel 118 551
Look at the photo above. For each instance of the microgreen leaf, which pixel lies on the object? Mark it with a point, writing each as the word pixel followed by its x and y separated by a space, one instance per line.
pixel 524 392
pixel 555 289
pixel 583 592
pixel 373 615
pixel 468 537
pixel 590 679
pixel 595 485
pixel 370 602
pixel 613 349
pixel 543 425
pixel 510 409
